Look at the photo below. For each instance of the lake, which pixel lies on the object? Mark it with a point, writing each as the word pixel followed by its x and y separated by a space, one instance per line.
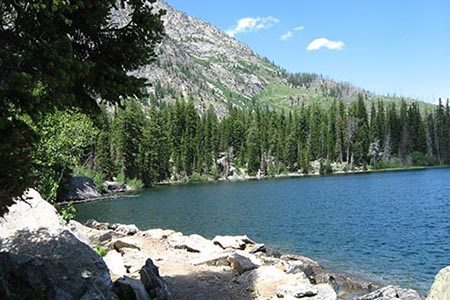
pixel 392 227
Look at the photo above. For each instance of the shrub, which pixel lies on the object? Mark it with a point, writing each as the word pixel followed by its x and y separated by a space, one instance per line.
pixel 101 251
pixel 68 212
pixel 134 183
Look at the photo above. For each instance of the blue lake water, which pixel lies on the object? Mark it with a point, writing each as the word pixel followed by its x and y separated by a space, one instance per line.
pixel 391 227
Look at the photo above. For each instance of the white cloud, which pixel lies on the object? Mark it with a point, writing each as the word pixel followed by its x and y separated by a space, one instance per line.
pixel 299 28
pixel 288 35
pixel 324 42
pixel 251 25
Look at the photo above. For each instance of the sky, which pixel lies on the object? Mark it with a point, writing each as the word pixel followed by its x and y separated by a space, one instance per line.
pixel 390 47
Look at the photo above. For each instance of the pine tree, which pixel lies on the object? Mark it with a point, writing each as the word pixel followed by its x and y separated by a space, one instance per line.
pixel 127 128
pixel 253 150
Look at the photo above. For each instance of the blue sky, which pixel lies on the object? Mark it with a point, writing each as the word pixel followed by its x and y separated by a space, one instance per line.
pixel 385 46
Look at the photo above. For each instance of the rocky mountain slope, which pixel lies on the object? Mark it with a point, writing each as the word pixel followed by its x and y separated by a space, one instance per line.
pixel 199 61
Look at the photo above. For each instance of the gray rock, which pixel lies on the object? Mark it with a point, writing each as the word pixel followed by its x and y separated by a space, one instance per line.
pixel 79 231
pixel 349 283
pixel 118 229
pixel 324 292
pixel 133 260
pixel 265 280
pixel 297 291
pixel 119 244
pixel 216 260
pixel 115 187
pixel 90 236
pixel 391 292
pixel 115 264
pixel 130 289
pixel 126 229
pixel 265 249
pixel 310 267
pixel 232 242
pixel 157 234
pixel 44 257
pixel 441 286
pixel 193 243
pixel 153 283
pixel 241 264
pixel 91 223
pixel 79 188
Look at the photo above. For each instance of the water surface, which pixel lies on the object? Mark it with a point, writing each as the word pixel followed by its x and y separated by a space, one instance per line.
pixel 391 227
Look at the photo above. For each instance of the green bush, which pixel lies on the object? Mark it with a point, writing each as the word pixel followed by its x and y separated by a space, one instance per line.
pixel 68 212
pixel 419 159
pixel 196 177
pixel 101 251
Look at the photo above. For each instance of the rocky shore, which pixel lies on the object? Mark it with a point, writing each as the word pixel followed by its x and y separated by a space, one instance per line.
pixel 42 257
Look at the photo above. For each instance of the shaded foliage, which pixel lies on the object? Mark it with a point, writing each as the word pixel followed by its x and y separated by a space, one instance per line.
pixel 62 54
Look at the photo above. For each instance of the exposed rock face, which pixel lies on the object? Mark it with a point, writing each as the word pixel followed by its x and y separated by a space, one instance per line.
pixel 200 60
pixel 441 286
pixel 79 188
pixel 37 255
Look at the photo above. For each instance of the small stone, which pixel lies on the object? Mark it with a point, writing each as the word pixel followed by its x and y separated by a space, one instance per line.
pixel 86 274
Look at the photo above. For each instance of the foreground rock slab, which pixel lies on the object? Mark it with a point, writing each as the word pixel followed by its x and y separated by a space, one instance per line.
pixel 441 286
pixel 42 259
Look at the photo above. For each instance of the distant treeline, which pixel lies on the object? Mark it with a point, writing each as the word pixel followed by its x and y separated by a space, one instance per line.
pixel 176 142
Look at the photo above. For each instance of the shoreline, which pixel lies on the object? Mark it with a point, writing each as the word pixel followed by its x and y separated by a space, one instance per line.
pixel 233 259
pixel 299 175
pixel 337 271
pixel 129 194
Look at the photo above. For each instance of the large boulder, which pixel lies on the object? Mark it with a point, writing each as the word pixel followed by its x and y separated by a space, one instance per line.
pixel 115 187
pixel 93 237
pixel 391 292
pixel 118 229
pixel 270 282
pixel 79 188
pixel 193 243
pixel 153 282
pixel 232 242
pixel 42 259
pixel 128 288
pixel 295 263
pixel 441 286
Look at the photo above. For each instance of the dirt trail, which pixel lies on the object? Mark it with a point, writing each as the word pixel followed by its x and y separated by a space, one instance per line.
pixel 187 281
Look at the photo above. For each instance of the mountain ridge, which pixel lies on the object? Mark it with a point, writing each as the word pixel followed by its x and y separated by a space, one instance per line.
pixel 198 61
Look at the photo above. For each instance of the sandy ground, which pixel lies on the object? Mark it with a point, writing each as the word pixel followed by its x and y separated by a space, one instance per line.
pixel 188 281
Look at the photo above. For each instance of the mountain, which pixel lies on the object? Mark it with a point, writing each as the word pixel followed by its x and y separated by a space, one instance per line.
pixel 199 61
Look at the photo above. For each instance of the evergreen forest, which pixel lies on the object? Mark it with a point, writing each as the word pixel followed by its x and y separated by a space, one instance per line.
pixel 175 143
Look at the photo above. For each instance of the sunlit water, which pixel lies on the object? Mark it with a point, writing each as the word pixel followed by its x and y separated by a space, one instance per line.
pixel 389 227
